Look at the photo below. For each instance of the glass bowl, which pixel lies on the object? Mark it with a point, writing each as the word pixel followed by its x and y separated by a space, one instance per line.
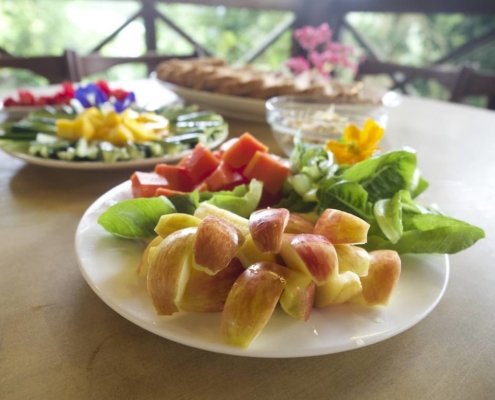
pixel 315 120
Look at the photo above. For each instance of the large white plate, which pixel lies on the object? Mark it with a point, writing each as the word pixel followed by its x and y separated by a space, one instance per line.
pixel 108 264
pixel 101 165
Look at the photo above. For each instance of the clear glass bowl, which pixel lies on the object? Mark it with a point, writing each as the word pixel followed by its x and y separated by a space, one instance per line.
pixel 315 120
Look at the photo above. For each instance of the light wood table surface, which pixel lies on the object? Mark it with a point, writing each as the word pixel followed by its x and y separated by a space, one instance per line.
pixel 58 340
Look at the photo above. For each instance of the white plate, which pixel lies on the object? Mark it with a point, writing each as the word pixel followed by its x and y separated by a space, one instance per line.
pixel 101 165
pixel 230 106
pixel 108 264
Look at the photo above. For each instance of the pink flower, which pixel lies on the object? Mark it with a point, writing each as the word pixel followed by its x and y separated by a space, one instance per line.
pixel 297 65
pixel 309 38
pixel 321 62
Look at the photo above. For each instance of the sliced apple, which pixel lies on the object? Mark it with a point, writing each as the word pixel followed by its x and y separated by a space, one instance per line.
pixel 382 278
pixel 311 254
pixel 170 223
pixel 353 258
pixel 205 209
pixel 207 293
pixel 216 244
pixel 143 266
pixel 339 289
pixel 298 224
pixel 169 270
pixel 298 296
pixel 249 254
pixel 266 227
pixel 340 227
pixel 250 304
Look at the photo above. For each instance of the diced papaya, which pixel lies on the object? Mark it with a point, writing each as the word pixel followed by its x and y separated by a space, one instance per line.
pixel 178 177
pixel 145 184
pixel 224 178
pixel 240 152
pixel 163 191
pixel 269 169
pixel 201 163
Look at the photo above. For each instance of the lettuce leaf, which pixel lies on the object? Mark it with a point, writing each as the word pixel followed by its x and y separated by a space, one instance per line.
pixel 135 218
pixel 242 200
pixel 382 191
pixel 434 233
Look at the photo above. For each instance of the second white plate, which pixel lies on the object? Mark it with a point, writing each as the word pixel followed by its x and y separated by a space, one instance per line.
pixel 108 264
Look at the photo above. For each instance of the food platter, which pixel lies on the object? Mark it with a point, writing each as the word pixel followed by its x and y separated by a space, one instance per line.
pixel 101 165
pixel 109 266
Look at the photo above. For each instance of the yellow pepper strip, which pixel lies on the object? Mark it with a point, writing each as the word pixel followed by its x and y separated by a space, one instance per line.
pixel 118 129
pixel 356 144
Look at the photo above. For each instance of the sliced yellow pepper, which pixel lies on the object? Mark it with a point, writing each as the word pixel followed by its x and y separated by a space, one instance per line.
pixel 118 129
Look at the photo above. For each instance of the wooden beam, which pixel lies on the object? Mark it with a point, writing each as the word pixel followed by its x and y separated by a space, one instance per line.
pixel 197 46
pixel 267 41
pixel 110 37
pixel 417 6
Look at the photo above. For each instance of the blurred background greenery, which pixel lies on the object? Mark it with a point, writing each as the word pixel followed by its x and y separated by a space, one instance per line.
pixel 42 27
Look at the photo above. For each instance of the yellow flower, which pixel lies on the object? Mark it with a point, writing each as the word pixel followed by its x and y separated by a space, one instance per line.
pixel 356 144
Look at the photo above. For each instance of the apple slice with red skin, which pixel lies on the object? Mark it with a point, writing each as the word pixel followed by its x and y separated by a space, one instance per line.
pixel 298 224
pixel 340 227
pixel 382 278
pixel 298 296
pixel 207 293
pixel 216 244
pixel 267 226
pixel 169 270
pixel 251 303
pixel 311 254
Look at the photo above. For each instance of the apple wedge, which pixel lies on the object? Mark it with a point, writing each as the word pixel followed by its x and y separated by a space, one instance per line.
pixel 340 227
pixel 207 293
pixel 169 270
pixel 382 278
pixel 249 254
pixel 143 266
pixel 170 223
pixel 251 303
pixel 339 289
pixel 205 209
pixel 310 254
pixel 266 227
pixel 216 244
pixel 353 258
pixel 298 296
pixel 298 224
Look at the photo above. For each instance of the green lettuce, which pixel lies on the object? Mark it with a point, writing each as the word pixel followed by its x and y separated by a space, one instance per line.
pixel 135 218
pixel 382 190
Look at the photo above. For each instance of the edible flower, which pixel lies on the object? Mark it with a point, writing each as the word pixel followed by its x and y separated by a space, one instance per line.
pixel 356 144
pixel 111 126
pixel 98 93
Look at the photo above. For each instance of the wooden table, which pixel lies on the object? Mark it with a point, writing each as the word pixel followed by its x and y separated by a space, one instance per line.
pixel 58 340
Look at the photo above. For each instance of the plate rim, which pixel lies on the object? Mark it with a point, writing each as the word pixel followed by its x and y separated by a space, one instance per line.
pixel 231 350
pixel 102 165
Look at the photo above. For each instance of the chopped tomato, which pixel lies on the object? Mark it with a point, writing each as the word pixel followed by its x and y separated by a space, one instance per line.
pixel 224 178
pixel 269 169
pixel 240 152
pixel 145 184
pixel 201 163
pixel 177 176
